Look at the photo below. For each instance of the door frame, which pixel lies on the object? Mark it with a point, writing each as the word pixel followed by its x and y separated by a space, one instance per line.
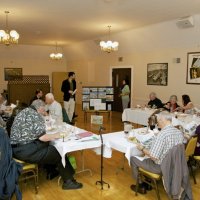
pixel 128 66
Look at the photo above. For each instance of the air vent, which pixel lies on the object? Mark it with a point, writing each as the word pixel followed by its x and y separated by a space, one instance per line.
pixel 185 22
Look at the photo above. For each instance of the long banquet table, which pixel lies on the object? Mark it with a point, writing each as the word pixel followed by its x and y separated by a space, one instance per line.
pixel 137 115
pixel 141 115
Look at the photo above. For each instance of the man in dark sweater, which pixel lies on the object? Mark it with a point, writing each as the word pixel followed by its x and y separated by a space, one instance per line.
pixel 154 101
pixel 69 90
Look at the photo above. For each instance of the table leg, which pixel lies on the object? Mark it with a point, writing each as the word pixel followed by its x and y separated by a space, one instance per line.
pixel 123 163
pixel 83 165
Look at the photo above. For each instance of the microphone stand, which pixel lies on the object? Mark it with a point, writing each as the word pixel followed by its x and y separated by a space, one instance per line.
pixel 102 182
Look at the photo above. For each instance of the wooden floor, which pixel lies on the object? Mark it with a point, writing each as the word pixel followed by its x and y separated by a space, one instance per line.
pixel 119 183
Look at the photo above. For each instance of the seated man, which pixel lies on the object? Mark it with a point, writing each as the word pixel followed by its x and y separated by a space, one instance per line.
pixel 53 107
pixel 154 101
pixel 164 141
pixel 38 95
pixel 30 143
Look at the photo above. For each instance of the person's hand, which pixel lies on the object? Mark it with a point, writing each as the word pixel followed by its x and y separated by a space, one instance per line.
pixel 140 147
pixel 70 91
pixel 57 135
pixel 167 106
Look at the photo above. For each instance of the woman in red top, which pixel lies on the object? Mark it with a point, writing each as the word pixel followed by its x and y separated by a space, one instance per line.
pixel 172 105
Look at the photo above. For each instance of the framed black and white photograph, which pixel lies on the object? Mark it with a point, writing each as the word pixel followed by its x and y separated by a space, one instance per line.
pixel 157 74
pixel 12 74
pixel 193 68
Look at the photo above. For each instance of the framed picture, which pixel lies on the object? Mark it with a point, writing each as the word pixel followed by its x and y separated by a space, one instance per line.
pixel 96 119
pixel 12 74
pixel 157 74
pixel 86 106
pixel 193 68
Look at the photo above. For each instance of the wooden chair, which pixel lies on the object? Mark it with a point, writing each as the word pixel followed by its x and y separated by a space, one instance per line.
pixel 189 152
pixel 143 174
pixel 29 171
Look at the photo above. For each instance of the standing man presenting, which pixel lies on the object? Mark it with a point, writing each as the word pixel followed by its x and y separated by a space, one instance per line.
pixel 69 90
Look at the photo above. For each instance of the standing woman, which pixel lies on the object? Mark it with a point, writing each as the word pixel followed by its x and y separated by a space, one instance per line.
pixel 125 91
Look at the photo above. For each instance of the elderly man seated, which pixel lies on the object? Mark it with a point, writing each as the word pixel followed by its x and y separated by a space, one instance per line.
pixel 53 107
pixel 154 102
pixel 168 137
pixel 30 143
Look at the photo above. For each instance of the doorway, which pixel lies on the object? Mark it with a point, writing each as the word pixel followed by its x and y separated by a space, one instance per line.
pixel 118 75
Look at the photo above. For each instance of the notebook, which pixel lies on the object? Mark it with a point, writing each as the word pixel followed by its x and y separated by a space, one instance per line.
pixel 84 134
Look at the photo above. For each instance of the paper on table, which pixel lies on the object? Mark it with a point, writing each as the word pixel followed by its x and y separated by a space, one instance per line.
pixel 144 138
pixel 141 158
pixel 74 92
pixel 84 134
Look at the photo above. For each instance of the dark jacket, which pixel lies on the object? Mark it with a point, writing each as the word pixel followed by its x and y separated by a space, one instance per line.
pixel 197 149
pixel 65 89
pixel 175 173
pixel 9 169
pixel 156 102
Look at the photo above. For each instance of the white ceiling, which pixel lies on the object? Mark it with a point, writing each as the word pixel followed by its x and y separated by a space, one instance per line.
pixel 43 22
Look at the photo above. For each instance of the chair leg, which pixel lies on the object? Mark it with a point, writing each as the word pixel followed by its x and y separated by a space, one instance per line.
pixel 137 184
pixel 192 172
pixel 156 189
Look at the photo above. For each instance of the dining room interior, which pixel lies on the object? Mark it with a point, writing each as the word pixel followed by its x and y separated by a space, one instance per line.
pixel 124 56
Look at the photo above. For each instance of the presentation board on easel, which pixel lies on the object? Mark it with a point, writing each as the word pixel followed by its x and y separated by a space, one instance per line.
pixel 97 98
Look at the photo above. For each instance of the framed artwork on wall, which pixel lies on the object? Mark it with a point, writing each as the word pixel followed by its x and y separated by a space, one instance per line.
pixel 193 68
pixel 157 74
pixel 12 74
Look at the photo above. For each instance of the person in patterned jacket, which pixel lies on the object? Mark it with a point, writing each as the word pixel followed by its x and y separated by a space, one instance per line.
pixel 30 143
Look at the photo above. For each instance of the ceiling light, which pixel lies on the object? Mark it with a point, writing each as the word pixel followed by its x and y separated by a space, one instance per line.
pixel 8 37
pixel 109 46
pixel 56 55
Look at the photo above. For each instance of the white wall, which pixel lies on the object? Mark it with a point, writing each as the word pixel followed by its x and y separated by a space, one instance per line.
pixel 33 59
pixel 152 44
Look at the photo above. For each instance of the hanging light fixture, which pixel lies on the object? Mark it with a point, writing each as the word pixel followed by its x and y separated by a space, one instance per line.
pixel 56 55
pixel 109 46
pixel 8 37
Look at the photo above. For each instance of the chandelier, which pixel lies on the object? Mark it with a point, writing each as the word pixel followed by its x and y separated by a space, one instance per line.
pixel 56 55
pixel 109 46
pixel 8 37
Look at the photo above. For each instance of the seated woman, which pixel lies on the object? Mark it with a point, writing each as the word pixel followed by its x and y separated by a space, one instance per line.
pixel 188 106
pixel 172 105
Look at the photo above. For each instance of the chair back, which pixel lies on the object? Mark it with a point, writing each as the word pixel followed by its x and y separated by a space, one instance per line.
pixel 190 148
pixel 65 116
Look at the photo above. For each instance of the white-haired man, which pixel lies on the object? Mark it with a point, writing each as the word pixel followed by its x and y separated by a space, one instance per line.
pixel 54 108
pixel 154 102
pixel 168 137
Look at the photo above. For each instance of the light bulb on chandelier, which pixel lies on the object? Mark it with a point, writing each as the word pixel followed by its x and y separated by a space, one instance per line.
pixel 8 37
pixel 109 46
pixel 56 55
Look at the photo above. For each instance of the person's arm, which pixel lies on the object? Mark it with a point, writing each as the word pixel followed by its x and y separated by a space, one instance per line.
pixel 145 151
pixel 188 106
pixel 125 91
pixel 49 137
pixel 63 86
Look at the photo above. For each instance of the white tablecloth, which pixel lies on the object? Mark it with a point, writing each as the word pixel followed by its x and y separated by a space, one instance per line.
pixel 119 142
pixel 141 115
pixel 71 144
pixel 137 115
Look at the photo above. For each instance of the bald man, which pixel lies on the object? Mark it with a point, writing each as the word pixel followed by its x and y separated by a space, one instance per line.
pixel 54 108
